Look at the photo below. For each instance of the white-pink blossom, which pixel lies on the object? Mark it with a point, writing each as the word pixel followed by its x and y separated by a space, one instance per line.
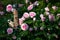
pixel 24 26
pixel 14 37
pixel 30 7
pixel 51 17
pixel 20 21
pixel 32 14
pixel 36 3
pixel 42 17
pixel 34 19
pixel 26 15
pixel 22 18
pixel 47 13
pixel 46 9
pixel 54 7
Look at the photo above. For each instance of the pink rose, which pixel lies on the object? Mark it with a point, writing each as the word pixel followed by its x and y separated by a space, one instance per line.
pixel 51 17
pixel 20 21
pixel 42 17
pixel 36 3
pixel 46 9
pixel 9 8
pixel 54 7
pixel 1 12
pixel 22 18
pixel 47 13
pixel 32 14
pixel 14 37
pixel 9 30
pixel 26 15
pixel 24 26
pixel 30 7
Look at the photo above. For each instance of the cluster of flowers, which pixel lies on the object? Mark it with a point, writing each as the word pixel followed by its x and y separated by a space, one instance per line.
pixel 26 15
pixel 9 7
pixel 24 26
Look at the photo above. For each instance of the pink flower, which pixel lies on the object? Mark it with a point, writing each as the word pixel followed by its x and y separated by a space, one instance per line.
pixel 30 7
pixel 51 17
pixel 30 29
pixel 26 15
pixel 24 26
pixel 32 14
pixel 20 5
pixel 22 18
pixel 42 17
pixel 14 37
pixel 9 8
pixel 36 3
pixel 46 9
pixel 20 21
pixel 9 30
pixel 47 13
pixel 54 7
pixel 1 12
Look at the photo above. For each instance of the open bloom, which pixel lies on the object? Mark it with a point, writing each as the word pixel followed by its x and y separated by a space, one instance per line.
pixel 47 13
pixel 1 13
pixel 14 37
pixel 54 7
pixel 22 18
pixel 24 26
pixel 26 15
pixel 36 3
pixel 32 14
pixel 30 7
pixel 9 8
pixel 9 30
pixel 46 9
pixel 20 21
pixel 51 17
pixel 42 17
